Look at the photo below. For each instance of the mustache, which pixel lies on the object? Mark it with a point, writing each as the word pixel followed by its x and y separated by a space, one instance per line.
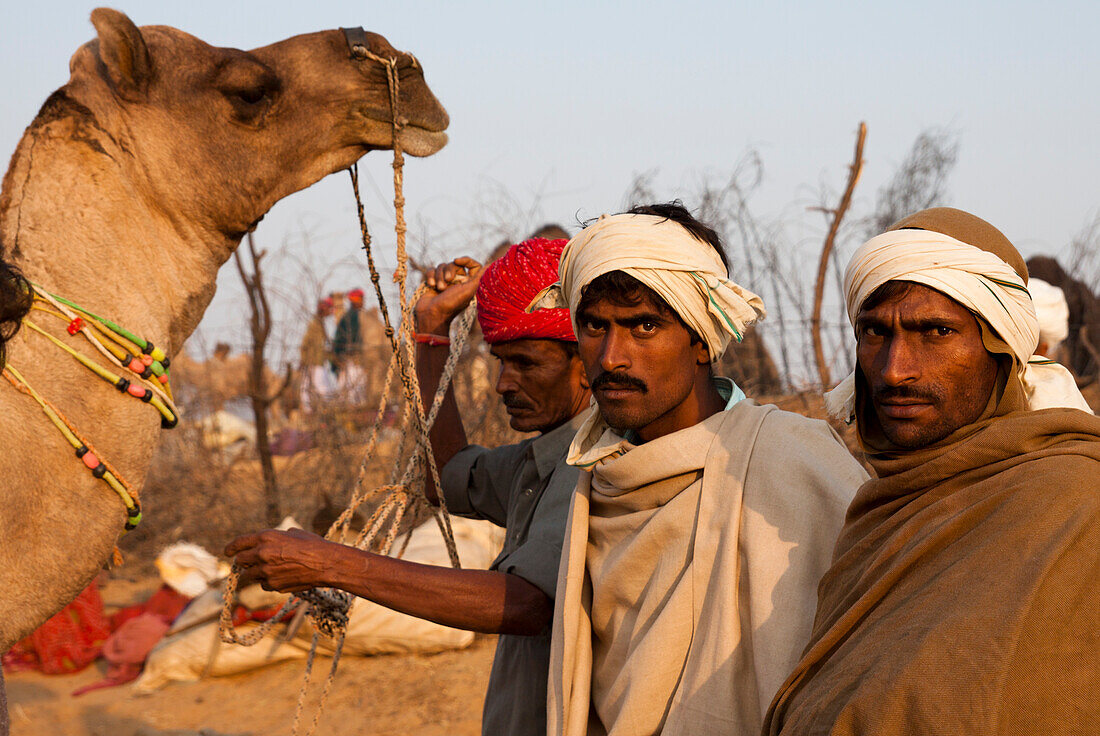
pixel 615 380
pixel 885 393
pixel 512 401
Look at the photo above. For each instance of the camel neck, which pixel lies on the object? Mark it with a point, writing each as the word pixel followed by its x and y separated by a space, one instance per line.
pixel 75 222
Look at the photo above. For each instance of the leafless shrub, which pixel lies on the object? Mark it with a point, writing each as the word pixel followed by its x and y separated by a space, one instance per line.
pixel 1083 255
pixel 759 258
pixel 919 182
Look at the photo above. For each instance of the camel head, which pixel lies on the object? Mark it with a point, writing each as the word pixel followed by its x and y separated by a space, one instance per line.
pixel 213 137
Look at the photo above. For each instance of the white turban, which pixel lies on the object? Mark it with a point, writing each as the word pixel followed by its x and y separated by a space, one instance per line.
pixel 977 279
pixel 1052 312
pixel 686 272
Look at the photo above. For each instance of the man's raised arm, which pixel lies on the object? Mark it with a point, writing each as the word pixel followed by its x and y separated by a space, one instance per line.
pixel 451 288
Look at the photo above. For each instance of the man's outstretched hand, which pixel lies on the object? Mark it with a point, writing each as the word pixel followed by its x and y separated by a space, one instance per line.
pixel 289 562
pixel 452 285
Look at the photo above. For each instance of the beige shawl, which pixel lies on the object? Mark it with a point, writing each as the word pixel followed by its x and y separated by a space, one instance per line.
pixel 689 573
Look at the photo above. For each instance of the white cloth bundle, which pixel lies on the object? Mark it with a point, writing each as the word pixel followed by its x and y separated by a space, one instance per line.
pixel 189 569
pixel 977 279
pixel 686 272
pixel 1052 311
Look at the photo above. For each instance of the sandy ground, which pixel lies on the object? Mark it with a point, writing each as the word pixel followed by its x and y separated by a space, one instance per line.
pixel 432 695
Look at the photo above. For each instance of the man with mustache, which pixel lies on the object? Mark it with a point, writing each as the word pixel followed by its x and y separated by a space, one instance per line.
pixel 524 487
pixel 703 521
pixel 962 597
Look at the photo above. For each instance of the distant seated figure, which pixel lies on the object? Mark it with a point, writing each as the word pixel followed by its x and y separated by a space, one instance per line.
pixel 348 341
pixel 361 351
pixel 315 359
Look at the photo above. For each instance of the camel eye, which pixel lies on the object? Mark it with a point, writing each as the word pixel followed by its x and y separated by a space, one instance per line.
pixel 251 96
pixel 249 87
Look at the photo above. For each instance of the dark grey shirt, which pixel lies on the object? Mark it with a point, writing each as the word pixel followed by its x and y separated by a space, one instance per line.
pixel 525 488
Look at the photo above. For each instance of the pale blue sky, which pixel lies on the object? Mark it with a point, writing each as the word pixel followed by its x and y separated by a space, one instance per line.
pixel 564 102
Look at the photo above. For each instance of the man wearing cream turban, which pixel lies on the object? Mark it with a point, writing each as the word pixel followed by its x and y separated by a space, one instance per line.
pixel 962 597
pixel 702 521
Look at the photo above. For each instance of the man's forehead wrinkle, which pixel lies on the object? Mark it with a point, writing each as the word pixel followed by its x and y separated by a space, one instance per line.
pixel 911 318
pixel 642 317
pixel 607 311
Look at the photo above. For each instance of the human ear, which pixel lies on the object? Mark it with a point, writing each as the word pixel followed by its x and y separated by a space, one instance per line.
pixel 702 353
pixel 582 374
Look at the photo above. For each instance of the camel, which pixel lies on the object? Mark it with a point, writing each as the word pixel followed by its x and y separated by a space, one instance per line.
pixel 128 191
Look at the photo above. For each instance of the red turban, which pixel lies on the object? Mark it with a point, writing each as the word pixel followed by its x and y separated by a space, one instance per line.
pixel 508 286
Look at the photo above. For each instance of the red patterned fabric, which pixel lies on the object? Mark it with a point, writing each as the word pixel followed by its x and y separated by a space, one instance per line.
pixel 165 603
pixel 508 286
pixel 67 642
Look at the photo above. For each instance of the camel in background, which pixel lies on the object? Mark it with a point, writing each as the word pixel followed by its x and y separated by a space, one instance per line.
pixel 132 186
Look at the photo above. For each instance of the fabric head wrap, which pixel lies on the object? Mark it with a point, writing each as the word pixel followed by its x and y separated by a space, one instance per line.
pixel 984 273
pixel 507 287
pixel 684 271
pixel 1052 311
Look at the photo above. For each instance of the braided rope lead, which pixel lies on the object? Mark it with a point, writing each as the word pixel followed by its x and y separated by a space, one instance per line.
pixel 329 608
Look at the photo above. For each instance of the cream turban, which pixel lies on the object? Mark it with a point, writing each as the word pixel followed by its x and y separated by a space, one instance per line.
pixel 686 272
pixel 1052 311
pixel 978 279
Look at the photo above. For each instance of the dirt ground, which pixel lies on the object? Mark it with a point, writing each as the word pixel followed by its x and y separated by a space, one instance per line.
pixel 428 695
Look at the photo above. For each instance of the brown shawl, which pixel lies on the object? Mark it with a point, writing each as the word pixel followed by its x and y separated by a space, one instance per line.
pixel 962 597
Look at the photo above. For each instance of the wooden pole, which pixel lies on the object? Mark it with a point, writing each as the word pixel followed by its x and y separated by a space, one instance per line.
pixel 260 325
pixel 830 240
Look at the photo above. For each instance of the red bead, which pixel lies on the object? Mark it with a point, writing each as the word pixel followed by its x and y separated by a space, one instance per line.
pixel 75 326
pixel 90 460
pixel 138 391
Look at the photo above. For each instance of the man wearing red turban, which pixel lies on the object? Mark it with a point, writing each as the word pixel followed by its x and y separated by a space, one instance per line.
pixel 511 279
pixel 525 487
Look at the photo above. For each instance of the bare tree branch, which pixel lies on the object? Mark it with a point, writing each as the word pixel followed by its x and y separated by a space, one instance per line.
pixel 260 326
pixel 919 182
pixel 819 286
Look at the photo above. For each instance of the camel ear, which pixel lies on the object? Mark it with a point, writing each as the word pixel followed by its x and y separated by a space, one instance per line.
pixel 123 53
